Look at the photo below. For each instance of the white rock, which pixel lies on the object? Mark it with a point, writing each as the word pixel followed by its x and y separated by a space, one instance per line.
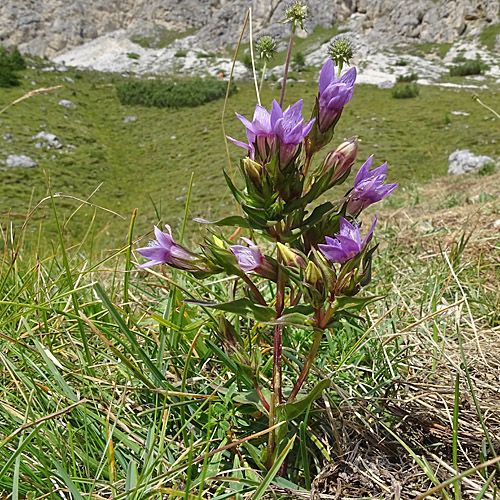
pixel 50 139
pixel 128 119
pixel 463 160
pixel 67 104
pixel 20 161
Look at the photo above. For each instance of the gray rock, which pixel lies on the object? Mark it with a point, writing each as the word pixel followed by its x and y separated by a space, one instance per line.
pixel 50 139
pixel 22 161
pixel 52 27
pixel 462 161
pixel 8 137
pixel 385 85
pixel 67 104
pixel 129 119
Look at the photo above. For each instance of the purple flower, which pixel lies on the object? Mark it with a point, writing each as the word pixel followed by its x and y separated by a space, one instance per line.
pixel 164 250
pixel 279 131
pixel 334 93
pixel 347 243
pixel 250 258
pixel 369 187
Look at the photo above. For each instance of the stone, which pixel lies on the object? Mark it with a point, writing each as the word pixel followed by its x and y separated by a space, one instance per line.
pixel 22 161
pixel 50 139
pixel 129 119
pixel 462 161
pixel 67 104
pixel 8 137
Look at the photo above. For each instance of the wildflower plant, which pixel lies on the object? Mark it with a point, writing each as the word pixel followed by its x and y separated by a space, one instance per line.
pixel 300 264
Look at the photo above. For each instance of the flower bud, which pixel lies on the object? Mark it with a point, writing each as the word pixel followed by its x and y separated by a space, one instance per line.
pixel 314 289
pixel 296 14
pixel 266 47
pixel 253 171
pixel 341 159
pixel 340 51
pixel 289 257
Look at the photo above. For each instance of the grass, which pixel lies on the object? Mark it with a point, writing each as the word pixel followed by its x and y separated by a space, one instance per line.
pixel 112 386
pixel 156 153
pixel 489 35
pixel 162 38
pixel 148 412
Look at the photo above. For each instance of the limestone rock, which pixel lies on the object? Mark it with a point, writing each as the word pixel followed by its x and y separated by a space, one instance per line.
pixel 20 161
pixel 462 161
pixel 50 139
pixel 52 27
pixel 67 104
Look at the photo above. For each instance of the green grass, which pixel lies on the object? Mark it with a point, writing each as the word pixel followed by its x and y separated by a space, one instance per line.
pixel 489 35
pixel 163 38
pixel 156 154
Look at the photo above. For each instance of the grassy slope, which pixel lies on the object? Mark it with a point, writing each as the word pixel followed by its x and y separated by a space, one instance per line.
pixel 140 163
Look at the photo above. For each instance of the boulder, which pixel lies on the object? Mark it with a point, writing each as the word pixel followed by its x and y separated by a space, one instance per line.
pixel 22 161
pixel 462 161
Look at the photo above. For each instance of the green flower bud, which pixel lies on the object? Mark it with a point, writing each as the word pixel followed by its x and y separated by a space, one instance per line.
pixel 296 14
pixel 266 47
pixel 341 51
pixel 290 257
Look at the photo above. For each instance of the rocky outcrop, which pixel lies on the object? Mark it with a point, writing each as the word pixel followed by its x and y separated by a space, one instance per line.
pixel 50 27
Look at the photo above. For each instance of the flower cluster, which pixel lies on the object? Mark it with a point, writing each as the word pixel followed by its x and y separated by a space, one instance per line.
pixel 314 255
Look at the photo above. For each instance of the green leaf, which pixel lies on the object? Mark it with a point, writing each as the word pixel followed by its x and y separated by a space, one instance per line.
pixel 294 319
pixel 236 192
pixel 244 307
pixel 232 221
pixel 260 491
pixel 354 303
pixel 299 406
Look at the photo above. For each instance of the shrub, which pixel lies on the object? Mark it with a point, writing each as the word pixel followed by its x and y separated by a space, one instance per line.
pixel 407 78
pixel 205 55
pixel 488 169
pixel 181 53
pixel 405 91
pixel 299 61
pixel 9 64
pixel 187 93
pixel 401 62
pixel 475 67
pixel 133 55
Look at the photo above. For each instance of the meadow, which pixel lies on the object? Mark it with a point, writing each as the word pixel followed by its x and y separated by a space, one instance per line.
pixel 111 386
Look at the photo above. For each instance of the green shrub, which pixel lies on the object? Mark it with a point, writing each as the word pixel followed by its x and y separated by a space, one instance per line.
pixel 205 55
pixel 405 91
pixel 181 53
pixel 488 169
pixel 9 64
pixel 401 62
pixel 299 61
pixel 186 93
pixel 407 78
pixel 133 55
pixel 247 61
pixel 475 67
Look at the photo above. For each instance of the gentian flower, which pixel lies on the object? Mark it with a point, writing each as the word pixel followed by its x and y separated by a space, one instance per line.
pixel 250 258
pixel 334 94
pixel 347 243
pixel 369 187
pixel 164 250
pixel 278 131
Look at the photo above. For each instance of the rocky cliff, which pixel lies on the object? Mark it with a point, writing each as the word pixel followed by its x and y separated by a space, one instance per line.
pixel 50 27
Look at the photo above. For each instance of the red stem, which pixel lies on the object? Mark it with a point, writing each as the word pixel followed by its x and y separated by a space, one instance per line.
pixel 261 396
pixel 287 63
pixel 278 339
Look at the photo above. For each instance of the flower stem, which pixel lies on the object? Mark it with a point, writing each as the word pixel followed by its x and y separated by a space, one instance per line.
pixel 261 396
pixel 308 162
pixel 278 339
pixel 255 290
pixel 287 63
pixel 307 365
pixel 263 75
